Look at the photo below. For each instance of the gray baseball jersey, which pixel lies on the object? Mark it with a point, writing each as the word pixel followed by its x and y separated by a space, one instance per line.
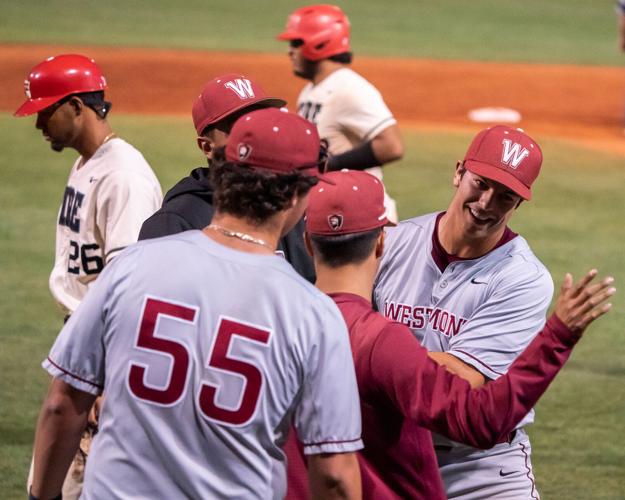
pixel 206 354
pixel 106 200
pixel 484 311
pixel 348 110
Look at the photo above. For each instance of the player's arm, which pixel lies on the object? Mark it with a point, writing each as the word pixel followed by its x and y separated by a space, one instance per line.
pixel 124 201
pixel 327 416
pixel 334 475
pixel 442 402
pixel 385 147
pixel 458 367
pixel 388 145
pixel 62 419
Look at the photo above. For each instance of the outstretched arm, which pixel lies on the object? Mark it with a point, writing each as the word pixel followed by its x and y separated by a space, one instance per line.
pixel 444 403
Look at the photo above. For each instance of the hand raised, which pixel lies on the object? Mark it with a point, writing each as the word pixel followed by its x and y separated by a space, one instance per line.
pixel 580 304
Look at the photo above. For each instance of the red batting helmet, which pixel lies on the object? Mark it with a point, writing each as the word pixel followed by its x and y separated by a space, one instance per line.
pixel 56 78
pixel 324 29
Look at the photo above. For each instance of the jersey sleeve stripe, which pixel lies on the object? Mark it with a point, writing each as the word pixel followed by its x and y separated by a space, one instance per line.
pixel 321 443
pixel 113 250
pixel 70 374
pixel 373 131
pixel 477 360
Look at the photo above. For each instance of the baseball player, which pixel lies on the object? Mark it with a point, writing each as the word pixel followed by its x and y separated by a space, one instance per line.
pixel 110 191
pixel 471 289
pixel 402 391
pixel 349 112
pixel 620 12
pixel 189 204
pixel 202 381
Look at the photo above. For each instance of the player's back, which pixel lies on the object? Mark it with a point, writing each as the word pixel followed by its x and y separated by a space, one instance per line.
pixel 210 352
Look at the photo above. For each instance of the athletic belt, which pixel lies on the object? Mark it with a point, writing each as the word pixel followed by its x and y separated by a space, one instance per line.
pixel 444 448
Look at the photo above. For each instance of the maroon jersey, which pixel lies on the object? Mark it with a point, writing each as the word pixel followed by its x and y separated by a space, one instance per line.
pixel 404 395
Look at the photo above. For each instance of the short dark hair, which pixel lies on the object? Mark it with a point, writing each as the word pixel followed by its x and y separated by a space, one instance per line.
pixel 94 100
pixel 343 249
pixel 254 195
pixel 343 58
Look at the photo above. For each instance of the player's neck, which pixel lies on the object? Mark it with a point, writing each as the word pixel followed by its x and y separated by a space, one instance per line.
pixel 456 241
pixel 324 69
pixel 244 236
pixel 354 278
pixel 93 136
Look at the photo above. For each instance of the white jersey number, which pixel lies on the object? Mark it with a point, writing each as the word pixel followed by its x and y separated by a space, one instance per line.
pixel 227 331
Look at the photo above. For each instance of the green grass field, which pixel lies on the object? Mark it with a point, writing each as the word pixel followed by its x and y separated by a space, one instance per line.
pixel 573 224
pixel 575 221
pixel 574 31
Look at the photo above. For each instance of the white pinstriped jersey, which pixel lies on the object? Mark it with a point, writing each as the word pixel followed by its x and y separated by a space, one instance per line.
pixel 348 111
pixel 105 202
pixel 484 311
pixel 206 354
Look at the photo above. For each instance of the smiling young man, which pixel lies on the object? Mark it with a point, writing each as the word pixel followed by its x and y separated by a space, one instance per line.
pixel 472 291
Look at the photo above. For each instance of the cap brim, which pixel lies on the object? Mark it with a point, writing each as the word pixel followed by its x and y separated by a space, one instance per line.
pixel 32 106
pixel 269 102
pixel 288 35
pixel 499 175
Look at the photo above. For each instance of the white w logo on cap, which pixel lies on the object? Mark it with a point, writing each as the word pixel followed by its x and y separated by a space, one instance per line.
pixel 242 87
pixel 512 153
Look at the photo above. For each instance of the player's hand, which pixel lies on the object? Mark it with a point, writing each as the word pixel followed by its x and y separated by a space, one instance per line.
pixel 581 303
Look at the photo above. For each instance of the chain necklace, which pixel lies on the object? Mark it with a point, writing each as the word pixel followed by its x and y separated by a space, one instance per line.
pixel 109 137
pixel 242 236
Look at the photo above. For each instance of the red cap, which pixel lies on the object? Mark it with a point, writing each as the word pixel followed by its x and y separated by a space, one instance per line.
pixel 352 203
pixel 505 155
pixel 276 140
pixel 56 78
pixel 225 95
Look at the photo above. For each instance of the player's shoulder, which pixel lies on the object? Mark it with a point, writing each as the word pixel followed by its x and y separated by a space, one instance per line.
pixel 409 231
pixel 515 263
pixel 118 157
pixel 348 75
pixel 352 85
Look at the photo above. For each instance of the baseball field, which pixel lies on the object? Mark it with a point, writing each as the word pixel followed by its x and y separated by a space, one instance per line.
pixel 556 62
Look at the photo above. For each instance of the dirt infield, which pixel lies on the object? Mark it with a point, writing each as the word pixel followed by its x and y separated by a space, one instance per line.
pixel 579 103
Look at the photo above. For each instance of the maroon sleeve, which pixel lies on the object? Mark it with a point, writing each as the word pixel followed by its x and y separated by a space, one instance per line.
pixel 442 402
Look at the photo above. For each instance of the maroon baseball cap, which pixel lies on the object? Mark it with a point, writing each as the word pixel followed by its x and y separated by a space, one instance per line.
pixel 225 95
pixel 352 203
pixel 506 155
pixel 276 140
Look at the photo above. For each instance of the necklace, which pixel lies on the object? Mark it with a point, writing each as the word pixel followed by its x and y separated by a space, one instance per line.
pixel 242 236
pixel 109 137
